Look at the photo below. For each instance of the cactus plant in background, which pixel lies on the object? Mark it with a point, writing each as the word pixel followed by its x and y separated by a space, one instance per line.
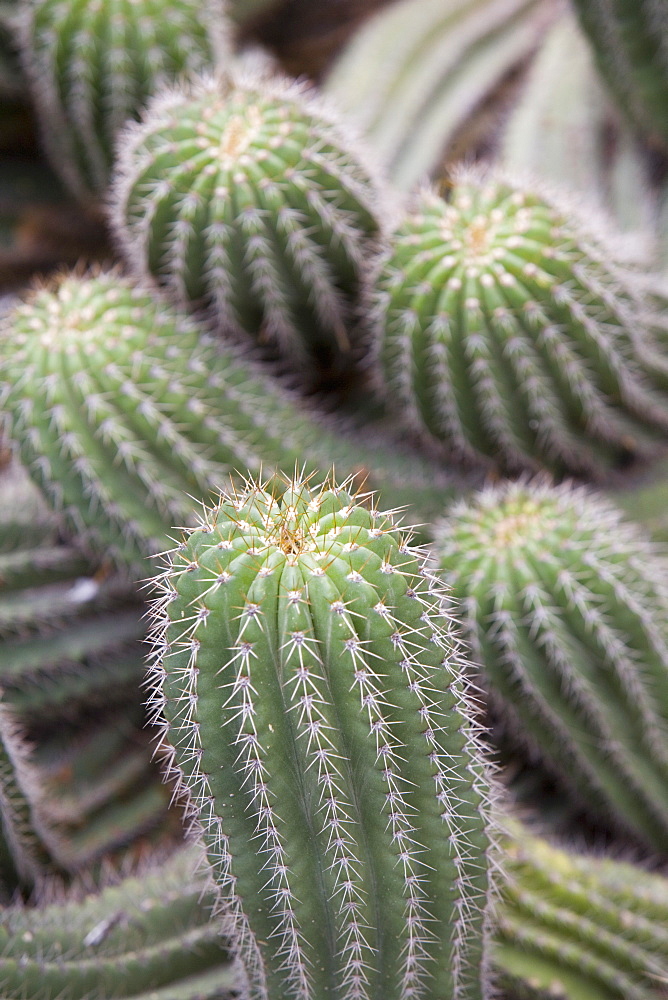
pixel 629 39
pixel 316 709
pixel 245 196
pixel 150 936
pixel 572 927
pixel 566 608
pixel 511 336
pixel 122 407
pixel 92 67
pixel 414 74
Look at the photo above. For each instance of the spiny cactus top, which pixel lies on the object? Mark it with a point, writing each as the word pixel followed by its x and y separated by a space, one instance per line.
pixel 320 720
pixel 630 40
pixel 509 334
pixel 121 406
pixel 566 608
pixel 243 195
pixel 93 64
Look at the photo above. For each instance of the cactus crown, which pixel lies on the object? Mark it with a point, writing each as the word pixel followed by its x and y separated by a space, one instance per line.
pixel 241 193
pixel 510 335
pixel 316 707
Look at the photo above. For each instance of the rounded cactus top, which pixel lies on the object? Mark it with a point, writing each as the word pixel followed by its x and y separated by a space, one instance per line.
pixel 93 66
pixel 510 335
pixel 244 195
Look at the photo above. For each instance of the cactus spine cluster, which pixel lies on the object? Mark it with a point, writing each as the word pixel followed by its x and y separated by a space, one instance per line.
pixel 93 66
pixel 316 709
pixel 572 927
pixel 510 336
pixel 565 606
pixel 629 40
pixel 123 408
pixel 241 194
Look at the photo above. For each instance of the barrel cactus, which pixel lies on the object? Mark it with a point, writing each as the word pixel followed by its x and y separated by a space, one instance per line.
pixel 509 335
pixel 243 195
pixel 93 66
pixel 317 711
pixel 566 609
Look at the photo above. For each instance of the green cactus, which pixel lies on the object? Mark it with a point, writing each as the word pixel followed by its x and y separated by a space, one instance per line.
pixel 149 937
pixel 629 41
pixel 413 75
pixel 93 66
pixel 511 336
pixel 246 196
pixel 317 711
pixel 121 407
pixel 566 609
pixel 572 927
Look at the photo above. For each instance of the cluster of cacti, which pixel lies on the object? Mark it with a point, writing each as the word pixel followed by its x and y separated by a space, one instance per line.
pixel 267 328
pixel 509 335
pixel 316 706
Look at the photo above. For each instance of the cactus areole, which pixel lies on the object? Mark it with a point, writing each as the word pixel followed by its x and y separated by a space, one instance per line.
pixel 319 719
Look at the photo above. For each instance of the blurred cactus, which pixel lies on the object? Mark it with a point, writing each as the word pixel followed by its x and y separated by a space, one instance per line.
pixel 566 609
pixel 93 66
pixel 571 927
pixel 149 937
pixel 511 335
pixel 414 74
pixel 123 407
pixel 245 196
pixel 316 707
pixel 629 40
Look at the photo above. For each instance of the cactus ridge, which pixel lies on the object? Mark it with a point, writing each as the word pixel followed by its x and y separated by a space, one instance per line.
pixel 150 935
pixel 560 920
pixel 93 66
pixel 306 629
pixel 629 41
pixel 510 337
pixel 243 195
pixel 563 604
pixel 122 407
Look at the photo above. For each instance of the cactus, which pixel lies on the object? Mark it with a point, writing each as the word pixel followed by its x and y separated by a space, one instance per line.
pixel 564 129
pixel 245 196
pixel 414 74
pixel 148 937
pixel 93 66
pixel 572 927
pixel 122 407
pixel 566 609
pixel 629 40
pixel 511 337
pixel 317 710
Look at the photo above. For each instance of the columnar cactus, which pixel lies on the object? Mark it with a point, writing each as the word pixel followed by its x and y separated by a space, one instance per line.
pixel 149 937
pixel 243 195
pixel 629 41
pixel 509 335
pixel 566 609
pixel 320 721
pixel 121 407
pixel 572 927
pixel 93 66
